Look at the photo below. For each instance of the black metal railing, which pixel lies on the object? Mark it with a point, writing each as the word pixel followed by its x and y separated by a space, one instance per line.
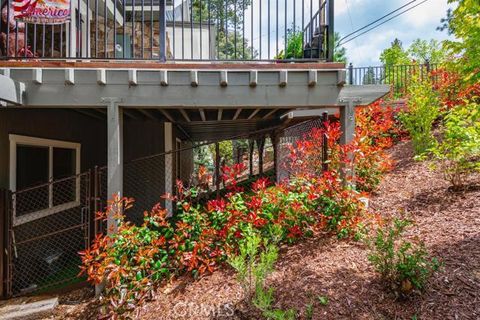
pixel 398 76
pixel 194 30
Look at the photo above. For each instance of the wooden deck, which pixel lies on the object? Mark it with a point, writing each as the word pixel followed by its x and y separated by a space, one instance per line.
pixel 211 65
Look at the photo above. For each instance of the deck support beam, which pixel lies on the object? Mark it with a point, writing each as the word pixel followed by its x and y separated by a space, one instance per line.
pixel 347 125
pixel 114 154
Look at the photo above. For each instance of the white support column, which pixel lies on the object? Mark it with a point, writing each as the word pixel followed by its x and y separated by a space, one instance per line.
pixel 347 121
pixel 169 169
pixel 347 124
pixel 115 152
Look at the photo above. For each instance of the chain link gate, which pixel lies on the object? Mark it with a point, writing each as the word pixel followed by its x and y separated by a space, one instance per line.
pixel 48 225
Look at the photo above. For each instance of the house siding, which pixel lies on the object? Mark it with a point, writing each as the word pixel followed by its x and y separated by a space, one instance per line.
pixel 65 125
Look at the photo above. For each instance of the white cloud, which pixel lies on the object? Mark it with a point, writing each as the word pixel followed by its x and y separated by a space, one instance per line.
pixel 341 6
pixel 420 22
pixel 426 14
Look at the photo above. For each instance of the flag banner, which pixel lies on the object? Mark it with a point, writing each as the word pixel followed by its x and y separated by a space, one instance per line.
pixel 42 11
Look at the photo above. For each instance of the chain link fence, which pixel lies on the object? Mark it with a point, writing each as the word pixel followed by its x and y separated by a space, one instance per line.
pixel 289 137
pixel 49 225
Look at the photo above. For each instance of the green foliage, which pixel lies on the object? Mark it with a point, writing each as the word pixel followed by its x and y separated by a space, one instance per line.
pixel 294 48
pixel 254 262
pixel 339 52
pixel 395 55
pixel 226 150
pixel 423 110
pixel 457 154
pixel 227 15
pixel 463 23
pixel 423 51
pixel 323 300
pixel 404 265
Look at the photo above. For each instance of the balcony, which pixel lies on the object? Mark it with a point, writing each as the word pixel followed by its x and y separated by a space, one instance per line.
pixel 178 30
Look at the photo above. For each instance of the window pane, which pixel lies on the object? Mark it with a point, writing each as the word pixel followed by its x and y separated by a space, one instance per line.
pixel 32 166
pixel 64 167
pixel 32 169
pixel 63 163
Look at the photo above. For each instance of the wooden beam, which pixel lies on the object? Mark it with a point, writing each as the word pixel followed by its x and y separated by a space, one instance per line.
pixel 254 113
pixel 237 113
pixel 220 114
pixel 268 115
pixel 185 114
pixel 131 114
pixel 89 114
pixel 202 114
pixel 147 113
pixel 166 115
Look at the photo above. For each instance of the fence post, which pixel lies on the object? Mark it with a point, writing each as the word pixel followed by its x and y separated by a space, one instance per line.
pixel 5 212
pixel 217 168
pixel 324 143
pixel 350 74
pixel 251 147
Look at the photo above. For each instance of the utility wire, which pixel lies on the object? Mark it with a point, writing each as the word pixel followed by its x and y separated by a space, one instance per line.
pixel 383 22
pixel 379 19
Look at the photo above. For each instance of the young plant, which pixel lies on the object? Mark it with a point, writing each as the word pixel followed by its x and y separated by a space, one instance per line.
pixel 404 265
pixel 423 110
pixel 457 154
pixel 254 262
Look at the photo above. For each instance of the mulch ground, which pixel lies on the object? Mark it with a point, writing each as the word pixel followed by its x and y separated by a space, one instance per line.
pixel 448 223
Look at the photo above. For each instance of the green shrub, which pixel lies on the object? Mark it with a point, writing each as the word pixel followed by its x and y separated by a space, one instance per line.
pixel 457 154
pixel 254 262
pixel 294 48
pixel 404 265
pixel 423 110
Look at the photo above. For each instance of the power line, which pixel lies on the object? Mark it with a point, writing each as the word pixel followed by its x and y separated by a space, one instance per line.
pixel 379 19
pixel 383 22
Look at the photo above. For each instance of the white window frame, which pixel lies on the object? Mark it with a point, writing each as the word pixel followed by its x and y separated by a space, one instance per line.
pixel 16 140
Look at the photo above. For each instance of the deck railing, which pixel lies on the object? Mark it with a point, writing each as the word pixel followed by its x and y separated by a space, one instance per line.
pixel 398 76
pixel 193 30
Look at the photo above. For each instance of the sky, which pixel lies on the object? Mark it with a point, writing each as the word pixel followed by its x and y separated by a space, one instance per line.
pixel 420 22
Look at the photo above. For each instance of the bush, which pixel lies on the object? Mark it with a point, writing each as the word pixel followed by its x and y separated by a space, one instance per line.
pixel 423 110
pixel 254 262
pixel 131 261
pixel 457 154
pixel 404 265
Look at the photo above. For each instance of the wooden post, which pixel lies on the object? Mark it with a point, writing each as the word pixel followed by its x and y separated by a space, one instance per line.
pixel 260 147
pixel 347 124
pixel 115 154
pixel 324 143
pixel 275 139
pixel 251 146
pixel 4 212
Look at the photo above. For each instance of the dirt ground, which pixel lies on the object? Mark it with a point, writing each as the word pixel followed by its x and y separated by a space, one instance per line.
pixel 448 223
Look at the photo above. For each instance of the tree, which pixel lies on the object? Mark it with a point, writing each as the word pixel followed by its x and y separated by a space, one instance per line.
pixel 339 53
pixel 463 23
pixel 423 51
pixel 369 77
pixel 395 55
pixel 227 17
